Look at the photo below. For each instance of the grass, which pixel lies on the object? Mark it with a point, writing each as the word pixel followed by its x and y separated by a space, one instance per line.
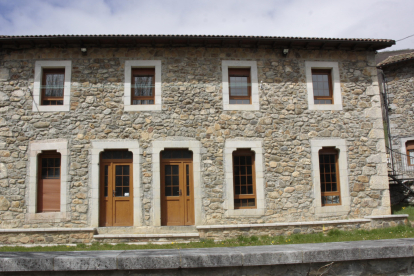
pixel 403 209
pixel 401 231
pixel 334 235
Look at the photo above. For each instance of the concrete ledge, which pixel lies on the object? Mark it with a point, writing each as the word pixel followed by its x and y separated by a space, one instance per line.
pixel 387 217
pixel 120 236
pixel 19 230
pixel 283 224
pixel 206 257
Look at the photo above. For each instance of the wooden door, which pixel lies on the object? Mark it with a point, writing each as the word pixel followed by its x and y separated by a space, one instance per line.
pixel 116 194
pixel 177 192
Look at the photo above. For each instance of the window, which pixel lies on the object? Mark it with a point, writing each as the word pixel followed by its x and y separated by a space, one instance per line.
pixel 48 180
pixel 52 86
pixel 409 145
pixel 142 87
pixel 48 185
pixel 323 85
pixel 329 175
pixel 240 85
pixel 244 179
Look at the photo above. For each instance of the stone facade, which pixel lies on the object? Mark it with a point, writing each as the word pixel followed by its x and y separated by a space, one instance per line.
pixel 192 110
pixel 400 84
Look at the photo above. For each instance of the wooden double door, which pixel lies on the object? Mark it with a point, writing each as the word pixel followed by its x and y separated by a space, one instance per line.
pixel 116 189
pixel 177 190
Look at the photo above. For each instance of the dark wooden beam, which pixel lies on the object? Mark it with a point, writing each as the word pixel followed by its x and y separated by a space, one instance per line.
pixel 322 46
pixel 338 46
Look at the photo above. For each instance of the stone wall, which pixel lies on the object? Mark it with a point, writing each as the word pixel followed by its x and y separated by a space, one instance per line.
pixel 192 108
pixel 400 83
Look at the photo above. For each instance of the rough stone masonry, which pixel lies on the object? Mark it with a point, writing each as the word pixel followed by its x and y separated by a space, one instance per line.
pixel 192 109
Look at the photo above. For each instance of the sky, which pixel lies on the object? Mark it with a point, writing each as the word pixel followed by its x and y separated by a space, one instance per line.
pixel 390 19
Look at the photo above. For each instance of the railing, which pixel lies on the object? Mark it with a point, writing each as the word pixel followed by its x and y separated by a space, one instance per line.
pixel 399 164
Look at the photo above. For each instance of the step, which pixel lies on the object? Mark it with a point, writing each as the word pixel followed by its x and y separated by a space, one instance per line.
pixel 147 238
pixel 146 230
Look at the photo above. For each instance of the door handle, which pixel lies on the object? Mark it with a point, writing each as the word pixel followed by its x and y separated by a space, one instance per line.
pixel 113 193
pixel 181 193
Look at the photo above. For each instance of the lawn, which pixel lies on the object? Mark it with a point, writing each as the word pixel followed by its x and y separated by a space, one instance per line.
pixel 402 231
pixel 334 235
pixel 403 209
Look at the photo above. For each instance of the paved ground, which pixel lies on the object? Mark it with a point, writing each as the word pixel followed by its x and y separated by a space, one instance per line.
pixel 206 257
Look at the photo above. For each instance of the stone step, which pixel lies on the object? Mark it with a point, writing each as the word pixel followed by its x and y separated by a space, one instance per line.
pixel 147 238
pixel 146 230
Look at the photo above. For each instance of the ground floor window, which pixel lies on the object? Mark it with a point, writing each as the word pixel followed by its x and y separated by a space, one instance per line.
pixel 48 185
pixel 244 179
pixel 329 175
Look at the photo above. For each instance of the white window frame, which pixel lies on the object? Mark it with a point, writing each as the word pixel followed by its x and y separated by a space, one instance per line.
pixel 345 207
pixel 230 146
pixel 225 65
pixel 157 147
pixel 37 91
pixel 99 146
pixel 336 85
pixel 129 65
pixel 36 148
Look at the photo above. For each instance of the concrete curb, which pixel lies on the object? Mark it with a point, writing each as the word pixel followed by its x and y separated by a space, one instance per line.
pixel 206 257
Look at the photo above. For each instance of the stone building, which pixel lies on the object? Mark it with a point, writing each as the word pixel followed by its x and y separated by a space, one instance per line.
pixel 397 76
pixel 148 138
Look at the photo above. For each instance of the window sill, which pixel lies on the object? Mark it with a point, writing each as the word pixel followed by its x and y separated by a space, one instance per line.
pixel 147 107
pixel 254 106
pixel 50 108
pixel 328 211
pixel 47 216
pixel 325 107
pixel 245 212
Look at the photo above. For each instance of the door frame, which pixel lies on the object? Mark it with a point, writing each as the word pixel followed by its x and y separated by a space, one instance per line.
pixel 157 147
pixel 97 147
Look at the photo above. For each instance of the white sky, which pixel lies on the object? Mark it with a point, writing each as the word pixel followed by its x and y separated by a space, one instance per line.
pixel 391 19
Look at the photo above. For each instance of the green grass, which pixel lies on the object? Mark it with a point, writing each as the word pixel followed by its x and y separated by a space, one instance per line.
pixel 403 209
pixel 401 231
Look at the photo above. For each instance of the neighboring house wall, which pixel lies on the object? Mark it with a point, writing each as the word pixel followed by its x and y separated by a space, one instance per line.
pixel 400 84
pixel 281 126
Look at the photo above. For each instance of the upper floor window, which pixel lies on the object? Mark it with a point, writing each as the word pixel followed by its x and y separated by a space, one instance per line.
pixel 409 145
pixel 240 85
pixel 143 86
pixel 322 86
pixel 52 85
pixel 53 82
